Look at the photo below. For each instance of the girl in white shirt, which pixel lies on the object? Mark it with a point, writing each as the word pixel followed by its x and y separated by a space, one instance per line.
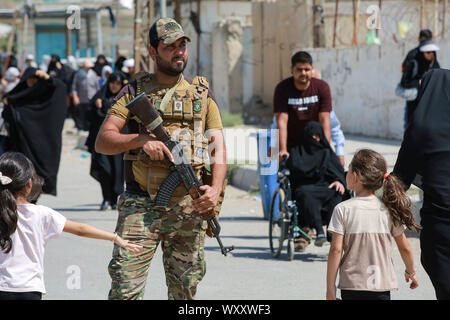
pixel 364 228
pixel 25 229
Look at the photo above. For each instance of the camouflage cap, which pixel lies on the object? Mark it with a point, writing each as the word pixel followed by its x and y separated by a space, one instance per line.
pixel 167 30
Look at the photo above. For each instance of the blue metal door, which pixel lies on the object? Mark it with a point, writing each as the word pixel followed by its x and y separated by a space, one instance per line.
pixel 50 42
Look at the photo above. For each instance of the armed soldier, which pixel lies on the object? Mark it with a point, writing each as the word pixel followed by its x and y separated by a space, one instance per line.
pixel 188 110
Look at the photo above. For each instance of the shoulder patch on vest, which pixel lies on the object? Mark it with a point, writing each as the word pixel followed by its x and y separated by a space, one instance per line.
pixel 201 81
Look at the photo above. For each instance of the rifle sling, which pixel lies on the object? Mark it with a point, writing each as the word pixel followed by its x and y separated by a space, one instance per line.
pixel 169 94
pixel 154 124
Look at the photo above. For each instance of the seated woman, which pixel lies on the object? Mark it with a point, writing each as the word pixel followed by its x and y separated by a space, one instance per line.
pixel 318 179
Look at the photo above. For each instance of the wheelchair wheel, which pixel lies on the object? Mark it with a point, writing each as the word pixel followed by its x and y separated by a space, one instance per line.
pixel 277 226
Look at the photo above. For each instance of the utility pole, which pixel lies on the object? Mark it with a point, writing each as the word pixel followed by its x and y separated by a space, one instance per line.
pixel 355 22
pixel 116 19
pixel 436 18
pixel 142 22
pixel 336 10
pixel 319 32
pixel 198 35
pixel 422 8
pixel 98 17
pixel 137 34
pixel 151 18
pixel 163 8
pixel 27 13
pixel 68 40
pixel 380 4
pixel 177 11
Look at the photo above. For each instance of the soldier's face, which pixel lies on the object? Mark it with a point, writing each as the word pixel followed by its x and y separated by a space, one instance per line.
pixel 172 58
pixel 302 73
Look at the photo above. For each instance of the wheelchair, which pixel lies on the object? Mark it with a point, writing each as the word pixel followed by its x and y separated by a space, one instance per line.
pixel 285 225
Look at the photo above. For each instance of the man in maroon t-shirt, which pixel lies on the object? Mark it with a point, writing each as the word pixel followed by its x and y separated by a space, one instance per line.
pixel 300 99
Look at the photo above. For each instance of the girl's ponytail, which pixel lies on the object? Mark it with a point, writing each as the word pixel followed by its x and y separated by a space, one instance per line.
pixel 398 203
pixel 8 218
pixel 15 172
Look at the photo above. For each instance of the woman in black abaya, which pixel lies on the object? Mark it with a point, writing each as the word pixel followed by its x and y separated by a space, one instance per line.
pixel 106 169
pixel 425 153
pixel 318 179
pixel 425 60
pixel 35 111
pixel 57 69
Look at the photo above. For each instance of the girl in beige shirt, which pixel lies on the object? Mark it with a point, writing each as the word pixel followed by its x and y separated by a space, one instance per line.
pixel 363 228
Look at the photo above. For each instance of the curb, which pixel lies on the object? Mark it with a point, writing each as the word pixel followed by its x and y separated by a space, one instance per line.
pixel 245 177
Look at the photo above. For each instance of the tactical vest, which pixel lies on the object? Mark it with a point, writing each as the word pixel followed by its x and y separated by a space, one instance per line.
pixel 184 119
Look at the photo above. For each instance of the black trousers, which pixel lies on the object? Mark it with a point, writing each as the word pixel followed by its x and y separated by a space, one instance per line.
pixel 315 204
pixel 435 248
pixel 107 185
pixel 4 295
pixel 365 295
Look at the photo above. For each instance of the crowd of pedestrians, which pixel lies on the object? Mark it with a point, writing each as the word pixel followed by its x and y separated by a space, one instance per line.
pixel 36 101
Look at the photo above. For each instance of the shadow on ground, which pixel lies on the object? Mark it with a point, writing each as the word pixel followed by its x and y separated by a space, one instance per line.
pixel 265 254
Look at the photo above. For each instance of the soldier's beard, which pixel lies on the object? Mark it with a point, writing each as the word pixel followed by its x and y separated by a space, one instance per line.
pixel 171 68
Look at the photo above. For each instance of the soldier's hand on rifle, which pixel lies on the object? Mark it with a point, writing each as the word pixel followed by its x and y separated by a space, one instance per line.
pixel 206 203
pixel 156 150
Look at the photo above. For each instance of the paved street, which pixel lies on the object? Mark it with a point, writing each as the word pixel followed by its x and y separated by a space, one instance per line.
pixel 249 273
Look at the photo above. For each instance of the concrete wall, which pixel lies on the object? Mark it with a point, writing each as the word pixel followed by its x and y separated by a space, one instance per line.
pixel 393 12
pixel 227 73
pixel 363 81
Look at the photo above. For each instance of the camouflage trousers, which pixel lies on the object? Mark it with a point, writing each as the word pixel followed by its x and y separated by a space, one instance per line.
pixel 181 232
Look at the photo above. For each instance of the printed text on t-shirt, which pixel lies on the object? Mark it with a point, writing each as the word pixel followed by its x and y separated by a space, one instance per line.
pixel 303 101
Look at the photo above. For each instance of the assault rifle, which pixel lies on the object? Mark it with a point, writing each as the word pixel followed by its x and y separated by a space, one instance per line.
pixel 181 169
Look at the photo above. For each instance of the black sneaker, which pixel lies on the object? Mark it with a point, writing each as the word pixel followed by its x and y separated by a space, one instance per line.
pixel 320 240
pixel 114 206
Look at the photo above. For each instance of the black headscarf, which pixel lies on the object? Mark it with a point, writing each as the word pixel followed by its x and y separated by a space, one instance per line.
pixel 98 114
pixel 313 162
pixel 22 94
pixel 119 63
pixel 426 65
pixel 61 74
pixel 35 116
pixel 99 66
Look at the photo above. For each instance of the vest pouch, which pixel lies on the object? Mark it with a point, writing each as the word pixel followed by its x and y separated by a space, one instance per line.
pixel 167 113
pixel 187 109
pixel 200 155
pixel 177 109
